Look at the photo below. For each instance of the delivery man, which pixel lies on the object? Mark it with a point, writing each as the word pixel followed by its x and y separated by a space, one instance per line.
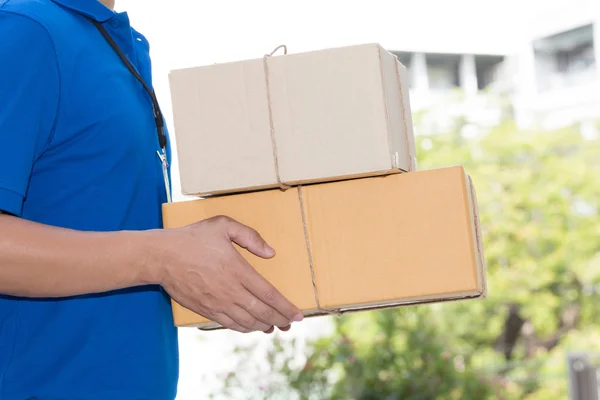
pixel 86 274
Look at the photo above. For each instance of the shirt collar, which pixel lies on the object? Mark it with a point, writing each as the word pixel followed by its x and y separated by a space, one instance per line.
pixel 90 8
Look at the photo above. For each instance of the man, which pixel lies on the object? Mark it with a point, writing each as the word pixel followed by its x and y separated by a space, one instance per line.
pixel 85 272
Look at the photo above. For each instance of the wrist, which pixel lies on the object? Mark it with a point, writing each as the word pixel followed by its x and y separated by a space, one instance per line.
pixel 149 258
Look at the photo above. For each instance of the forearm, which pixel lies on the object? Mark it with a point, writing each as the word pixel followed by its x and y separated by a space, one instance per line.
pixel 42 261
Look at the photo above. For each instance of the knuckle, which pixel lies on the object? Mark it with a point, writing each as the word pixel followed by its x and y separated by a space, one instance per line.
pixel 254 235
pixel 217 309
pixel 227 323
pixel 221 319
pixel 233 327
pixel 206 311
pixel 270 295
pixel 221 219
pixel 261 327
pixel 238 276
pixel 267 314
pixel 239 273
pixel 213 306
pixel 250 322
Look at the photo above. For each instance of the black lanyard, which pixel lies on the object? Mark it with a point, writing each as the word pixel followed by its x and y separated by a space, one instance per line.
pixel 158 116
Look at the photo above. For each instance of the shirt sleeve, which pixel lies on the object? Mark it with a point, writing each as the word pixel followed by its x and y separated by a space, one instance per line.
pixel 29 95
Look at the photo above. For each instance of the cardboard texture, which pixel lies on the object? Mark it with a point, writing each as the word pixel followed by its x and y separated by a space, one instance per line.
pixel 336 114
pixel 375 242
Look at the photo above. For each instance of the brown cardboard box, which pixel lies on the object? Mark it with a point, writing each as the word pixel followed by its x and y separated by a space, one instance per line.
pixel 375 242
pixel 336 114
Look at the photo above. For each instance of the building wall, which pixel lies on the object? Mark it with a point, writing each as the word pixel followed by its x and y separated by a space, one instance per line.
pixel 546 89
pixel 543 96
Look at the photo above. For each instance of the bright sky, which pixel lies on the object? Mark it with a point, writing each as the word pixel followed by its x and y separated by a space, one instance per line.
pixel 184 33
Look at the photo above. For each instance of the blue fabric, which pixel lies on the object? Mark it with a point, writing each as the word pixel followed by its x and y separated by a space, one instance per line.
pixel 79 151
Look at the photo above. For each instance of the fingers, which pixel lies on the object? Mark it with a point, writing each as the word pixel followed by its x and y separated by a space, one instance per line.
pixel 270 330
pixel 245 300
pixel 269 295
pixel 228 323
pixel 249 239
pixel 246 320
pixel 282 328
pixel 253 281
pixel 261 311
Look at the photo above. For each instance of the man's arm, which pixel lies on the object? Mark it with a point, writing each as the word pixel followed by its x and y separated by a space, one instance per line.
pixel 43 261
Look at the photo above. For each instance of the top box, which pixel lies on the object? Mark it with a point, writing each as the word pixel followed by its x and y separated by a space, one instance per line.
pixel 284 120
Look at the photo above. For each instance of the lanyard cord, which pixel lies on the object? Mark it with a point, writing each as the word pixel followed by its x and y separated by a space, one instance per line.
pixel 158 117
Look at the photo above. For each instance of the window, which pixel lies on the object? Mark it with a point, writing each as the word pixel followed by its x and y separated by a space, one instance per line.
pixel 565 59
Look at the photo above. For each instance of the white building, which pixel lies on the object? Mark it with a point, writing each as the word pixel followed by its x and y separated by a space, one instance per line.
pixel 551 80
pixel 558 81
pixel 453 86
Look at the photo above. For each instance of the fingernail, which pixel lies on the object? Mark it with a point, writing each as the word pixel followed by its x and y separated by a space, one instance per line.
pixel 298 318
pixel 269 250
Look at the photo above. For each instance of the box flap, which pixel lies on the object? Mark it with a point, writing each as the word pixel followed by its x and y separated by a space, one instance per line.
pixel 396 89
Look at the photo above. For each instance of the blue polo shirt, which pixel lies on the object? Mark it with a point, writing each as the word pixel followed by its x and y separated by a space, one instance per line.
pixel 79 151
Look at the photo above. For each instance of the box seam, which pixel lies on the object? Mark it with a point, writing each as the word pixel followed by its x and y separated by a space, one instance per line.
pixel 310 256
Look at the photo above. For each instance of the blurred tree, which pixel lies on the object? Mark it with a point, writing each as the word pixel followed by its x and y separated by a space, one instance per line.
pixel 539 200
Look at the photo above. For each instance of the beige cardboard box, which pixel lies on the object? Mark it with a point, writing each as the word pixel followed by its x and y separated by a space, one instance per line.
pixel 374 242
pixel 314 117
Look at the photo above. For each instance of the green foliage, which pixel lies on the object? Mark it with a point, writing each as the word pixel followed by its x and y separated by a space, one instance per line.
pixel 389 355
pixel 539 201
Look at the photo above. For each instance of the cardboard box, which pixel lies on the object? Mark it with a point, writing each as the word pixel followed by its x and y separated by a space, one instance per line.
pixel 336 114
pixel 375 242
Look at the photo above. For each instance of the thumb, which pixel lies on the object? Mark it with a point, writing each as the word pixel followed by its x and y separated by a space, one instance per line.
pixel 249 239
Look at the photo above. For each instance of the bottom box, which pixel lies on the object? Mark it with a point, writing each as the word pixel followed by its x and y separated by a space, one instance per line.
pixel 373 242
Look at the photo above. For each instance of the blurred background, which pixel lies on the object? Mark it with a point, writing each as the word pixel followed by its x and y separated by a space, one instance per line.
pixel 509 89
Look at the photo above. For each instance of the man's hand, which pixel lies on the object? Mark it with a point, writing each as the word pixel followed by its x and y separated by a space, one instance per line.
pixel 201 270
